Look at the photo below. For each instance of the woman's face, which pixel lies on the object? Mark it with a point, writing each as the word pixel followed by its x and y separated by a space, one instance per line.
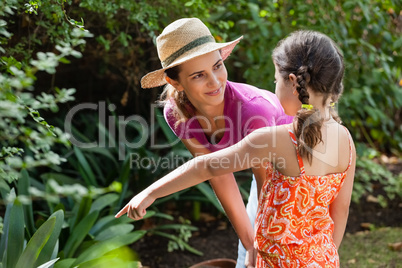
pixel 203 79
pixel 286 92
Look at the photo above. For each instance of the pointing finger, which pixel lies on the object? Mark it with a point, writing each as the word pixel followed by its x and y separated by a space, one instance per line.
pixel 122 212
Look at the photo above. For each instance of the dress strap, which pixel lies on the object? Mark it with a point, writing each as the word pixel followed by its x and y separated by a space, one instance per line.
pixel 294 140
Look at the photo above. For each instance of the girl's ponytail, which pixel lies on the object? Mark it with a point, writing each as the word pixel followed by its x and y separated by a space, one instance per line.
pixel 308 122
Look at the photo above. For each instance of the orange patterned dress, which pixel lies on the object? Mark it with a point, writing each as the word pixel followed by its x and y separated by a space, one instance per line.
pixel 293 226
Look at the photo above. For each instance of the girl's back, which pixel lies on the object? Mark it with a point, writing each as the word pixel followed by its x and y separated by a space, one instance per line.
pixel 329 156
pixel 293 223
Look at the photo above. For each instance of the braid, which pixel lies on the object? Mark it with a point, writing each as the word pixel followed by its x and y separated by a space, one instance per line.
pixel 303 78
pixel 308 122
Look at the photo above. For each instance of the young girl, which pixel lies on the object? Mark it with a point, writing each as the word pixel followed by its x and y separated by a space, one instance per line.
pixel 304 199
pixel 209 113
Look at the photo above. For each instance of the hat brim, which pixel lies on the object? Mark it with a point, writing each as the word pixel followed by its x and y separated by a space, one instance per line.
pixel 157 78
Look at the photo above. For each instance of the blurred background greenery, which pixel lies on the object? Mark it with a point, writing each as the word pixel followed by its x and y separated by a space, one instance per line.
pixel 57 54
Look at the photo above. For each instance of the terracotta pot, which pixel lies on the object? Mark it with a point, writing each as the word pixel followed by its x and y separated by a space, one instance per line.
pixel 221 263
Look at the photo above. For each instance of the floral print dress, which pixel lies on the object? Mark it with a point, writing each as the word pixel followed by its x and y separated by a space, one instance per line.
pixel 293 226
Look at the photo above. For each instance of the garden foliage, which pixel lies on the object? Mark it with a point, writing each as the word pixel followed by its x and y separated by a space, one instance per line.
pixel 58 53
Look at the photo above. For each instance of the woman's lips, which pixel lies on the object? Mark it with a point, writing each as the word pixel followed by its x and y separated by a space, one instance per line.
pixel 215 92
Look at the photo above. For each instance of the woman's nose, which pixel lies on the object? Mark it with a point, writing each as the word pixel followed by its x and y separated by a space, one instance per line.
pixel 213 80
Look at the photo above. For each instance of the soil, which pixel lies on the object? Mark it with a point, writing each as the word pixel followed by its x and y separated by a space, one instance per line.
pixel 217 239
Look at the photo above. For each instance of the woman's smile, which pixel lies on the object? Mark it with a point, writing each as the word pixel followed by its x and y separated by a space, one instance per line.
pixel 215 92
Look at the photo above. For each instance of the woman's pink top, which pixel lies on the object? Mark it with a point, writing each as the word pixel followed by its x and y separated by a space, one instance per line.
pixel 246 108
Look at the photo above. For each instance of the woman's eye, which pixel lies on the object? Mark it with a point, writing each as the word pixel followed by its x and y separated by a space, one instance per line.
pixel 218 66
pixel 197 76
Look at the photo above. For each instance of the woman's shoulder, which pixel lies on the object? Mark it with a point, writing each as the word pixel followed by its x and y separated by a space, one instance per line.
pixel 247 90
pixel 253 96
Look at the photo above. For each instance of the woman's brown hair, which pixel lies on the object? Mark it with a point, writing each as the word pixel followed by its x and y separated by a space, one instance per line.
pixel 183 109
pixel 317 63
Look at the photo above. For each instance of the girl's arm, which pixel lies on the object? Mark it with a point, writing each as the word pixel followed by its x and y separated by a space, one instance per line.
pixel 245 154
pixel 339 208
pixel 227 191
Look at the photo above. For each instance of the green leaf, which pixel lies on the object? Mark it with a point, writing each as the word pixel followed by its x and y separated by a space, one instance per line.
pixel 47 251
pixel 108 221
pixel 104 201
pixel 103 151
pixel 36 244
pixel 112 260
pixel 114 231
pixel 65 263
pixel 124 179
pixel 85 168
pixel 23 189
pixel 15 234
pixel 49 263
pixel 4 189
pixel 175 227
pixel 6 224
pixel 96 166
pixel 107 140
pixel 398 43
pixel 102 224
pixel 103 247
pixel 210 194
pixel 64 60
pixel 81 212
pixel 61 179
pixel 78 234
pixel 180 242
pixel 123 39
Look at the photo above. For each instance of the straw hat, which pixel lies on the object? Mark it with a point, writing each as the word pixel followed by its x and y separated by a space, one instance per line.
pixel 181 41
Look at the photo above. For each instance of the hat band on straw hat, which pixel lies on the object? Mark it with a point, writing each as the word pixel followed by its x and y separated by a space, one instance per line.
pixel 197 42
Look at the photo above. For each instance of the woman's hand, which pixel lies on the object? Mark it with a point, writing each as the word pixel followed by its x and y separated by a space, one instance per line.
pixel 136 208
pixel 251 256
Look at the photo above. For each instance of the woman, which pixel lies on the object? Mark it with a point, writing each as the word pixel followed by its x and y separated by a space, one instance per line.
pixel 209 113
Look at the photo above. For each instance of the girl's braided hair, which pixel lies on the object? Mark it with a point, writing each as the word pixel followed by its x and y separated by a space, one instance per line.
pixel 317 63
